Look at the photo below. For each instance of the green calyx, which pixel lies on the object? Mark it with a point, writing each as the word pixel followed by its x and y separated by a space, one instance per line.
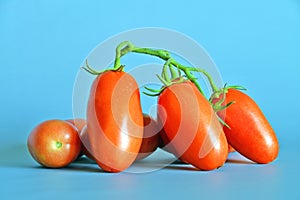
pixel 171 74
pixel 127 47
pixel 90 70
pixel 168 77
pixel 58 144
pixel 122 49
pixel 218 105
pixel 220 94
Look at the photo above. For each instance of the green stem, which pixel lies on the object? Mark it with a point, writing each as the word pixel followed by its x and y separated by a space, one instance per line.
pixel 165 82
pixel 126 47
pixel 165 55
pixel 188 74
pixel 173 72
pixel 165 70
pixel 208 76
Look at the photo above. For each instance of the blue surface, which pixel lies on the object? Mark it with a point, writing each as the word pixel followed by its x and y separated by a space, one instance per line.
pixel 42 44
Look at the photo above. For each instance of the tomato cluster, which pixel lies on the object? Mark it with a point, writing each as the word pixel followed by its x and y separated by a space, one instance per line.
pixel 57 143
pixel 197 130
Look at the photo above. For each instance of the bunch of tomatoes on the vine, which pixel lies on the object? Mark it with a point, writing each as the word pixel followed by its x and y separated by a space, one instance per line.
pixel 197 130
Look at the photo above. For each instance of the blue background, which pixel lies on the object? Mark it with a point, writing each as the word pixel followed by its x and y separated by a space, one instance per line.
pixel 42 44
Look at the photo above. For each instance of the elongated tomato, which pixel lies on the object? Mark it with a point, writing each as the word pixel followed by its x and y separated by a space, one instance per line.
pixel 114 120
pixel 191 127
pixel 250 133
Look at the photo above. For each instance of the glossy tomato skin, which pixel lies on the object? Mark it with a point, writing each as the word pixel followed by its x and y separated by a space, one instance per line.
pixel 250 133
pixel 150 137
pixel 54 143
pixel 86 143
pixel 164 141
pixel 191 127
pixel 79 124
pixel 114 120
pixel 230 148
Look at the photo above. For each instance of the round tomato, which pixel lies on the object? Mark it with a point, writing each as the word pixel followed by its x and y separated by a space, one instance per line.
pixel 79 124
pixel 54 143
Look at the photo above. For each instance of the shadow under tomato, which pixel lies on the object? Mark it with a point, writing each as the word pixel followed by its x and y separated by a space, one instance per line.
pixel 233 161
pixel 84 160
pixel 17 156
pixel 186 167
pixel 73 168
pixel 236 158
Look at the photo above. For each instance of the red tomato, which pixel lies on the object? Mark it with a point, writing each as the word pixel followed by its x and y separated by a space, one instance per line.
pixel 114 120
pixel 191 126
pixel 250 132
pixel 80 124
pixel 150 137
pixel 164 142
pixel 230 149
pixel 54 143
pixel 86 144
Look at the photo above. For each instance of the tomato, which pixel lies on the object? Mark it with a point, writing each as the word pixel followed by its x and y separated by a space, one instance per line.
pixel 78 123
pixel 150 137
pixel 164 142
pixel 230 149
pixel 191 126
pixel 250 132
pixel 86 143
pixel 54 143
pixel 114 120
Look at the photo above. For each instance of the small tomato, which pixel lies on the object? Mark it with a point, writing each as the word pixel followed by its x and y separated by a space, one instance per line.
pixel 54 143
